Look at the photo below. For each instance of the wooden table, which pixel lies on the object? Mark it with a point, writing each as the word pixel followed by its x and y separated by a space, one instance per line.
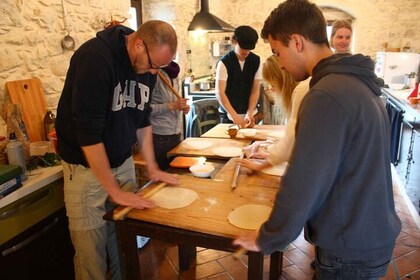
pixel 180 150
pixel 203 223
pixel 219 131
pixel 247 178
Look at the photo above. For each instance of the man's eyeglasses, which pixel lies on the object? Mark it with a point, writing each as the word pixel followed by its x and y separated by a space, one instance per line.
pixel 150 61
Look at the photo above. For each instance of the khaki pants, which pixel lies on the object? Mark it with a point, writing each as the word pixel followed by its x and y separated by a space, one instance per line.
pixel 86 202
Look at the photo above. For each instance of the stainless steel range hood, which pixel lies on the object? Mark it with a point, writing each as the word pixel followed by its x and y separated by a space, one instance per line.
pixel 208 22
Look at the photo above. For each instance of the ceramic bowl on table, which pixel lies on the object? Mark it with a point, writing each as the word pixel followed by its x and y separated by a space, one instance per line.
pixel 202 170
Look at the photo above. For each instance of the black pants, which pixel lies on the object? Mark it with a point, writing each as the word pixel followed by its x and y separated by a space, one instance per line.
pixel 162 144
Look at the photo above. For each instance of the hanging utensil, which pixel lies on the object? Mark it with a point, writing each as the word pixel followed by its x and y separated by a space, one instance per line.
pixel 67 42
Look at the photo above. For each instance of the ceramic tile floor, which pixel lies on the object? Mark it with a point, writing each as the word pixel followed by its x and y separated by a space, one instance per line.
pixel 159 260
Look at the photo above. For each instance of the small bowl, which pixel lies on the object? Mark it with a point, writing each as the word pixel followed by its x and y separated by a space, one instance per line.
pixel 248 132
pixel 414 100
pixel 396 86
pixel 202 170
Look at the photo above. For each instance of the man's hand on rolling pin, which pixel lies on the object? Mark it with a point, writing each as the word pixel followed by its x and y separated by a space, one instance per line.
pixel 248 241
pixel 158 175
pixel 132 200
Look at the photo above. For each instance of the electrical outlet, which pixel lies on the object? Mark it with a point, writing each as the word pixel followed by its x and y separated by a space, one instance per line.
pixel 188 51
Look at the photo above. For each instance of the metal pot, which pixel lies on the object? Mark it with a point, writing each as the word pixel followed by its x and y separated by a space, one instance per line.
pixel 205 85
pixel 410 80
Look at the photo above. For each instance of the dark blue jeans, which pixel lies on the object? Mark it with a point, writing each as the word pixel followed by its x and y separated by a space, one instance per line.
pixel 162 144
pixel 328 267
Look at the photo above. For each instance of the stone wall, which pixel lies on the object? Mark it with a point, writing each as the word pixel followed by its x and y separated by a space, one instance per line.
pixel 376 22
pixel 31 31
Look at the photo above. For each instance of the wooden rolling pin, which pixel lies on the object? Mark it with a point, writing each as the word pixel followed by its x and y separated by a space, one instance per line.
pixel 163 78
pixel 236 173
pixel 120 215
pixel 239 253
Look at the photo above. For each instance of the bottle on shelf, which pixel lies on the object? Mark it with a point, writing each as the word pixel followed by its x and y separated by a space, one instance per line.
pixel 15 154
pixel 49 123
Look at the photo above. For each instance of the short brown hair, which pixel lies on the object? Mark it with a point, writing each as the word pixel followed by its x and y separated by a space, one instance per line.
pixel 296 17
pixel 157 33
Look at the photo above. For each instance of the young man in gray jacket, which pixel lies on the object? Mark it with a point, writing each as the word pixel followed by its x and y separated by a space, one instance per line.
pixel 338 185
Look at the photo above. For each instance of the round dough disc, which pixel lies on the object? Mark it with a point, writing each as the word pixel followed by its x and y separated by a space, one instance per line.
pixel 249 216
pixel 174 197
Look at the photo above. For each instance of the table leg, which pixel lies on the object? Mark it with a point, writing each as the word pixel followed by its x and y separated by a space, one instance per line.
pixel 276 265
pixel 255 265
pixel 128 252
pixel 186 253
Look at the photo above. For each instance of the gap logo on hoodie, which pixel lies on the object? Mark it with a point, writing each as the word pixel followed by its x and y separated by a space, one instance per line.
pixel 126 98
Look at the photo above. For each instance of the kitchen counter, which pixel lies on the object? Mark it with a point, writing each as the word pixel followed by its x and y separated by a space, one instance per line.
pixel 195 87
pixel 400 96
pixel 37 179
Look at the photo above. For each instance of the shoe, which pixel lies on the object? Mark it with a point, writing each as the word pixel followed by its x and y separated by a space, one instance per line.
pixel 141 241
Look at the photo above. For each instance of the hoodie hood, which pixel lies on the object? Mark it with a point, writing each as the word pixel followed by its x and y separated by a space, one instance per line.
pixel 358 65
pixel 114 39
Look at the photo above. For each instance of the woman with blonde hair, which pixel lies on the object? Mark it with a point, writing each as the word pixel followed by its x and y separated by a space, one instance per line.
pixel 341 34
pixel 291 94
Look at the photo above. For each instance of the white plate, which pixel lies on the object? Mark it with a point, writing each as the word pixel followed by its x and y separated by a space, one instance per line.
pixel 227 151
pixel 196 144
pixel 276 134
pixel 277 170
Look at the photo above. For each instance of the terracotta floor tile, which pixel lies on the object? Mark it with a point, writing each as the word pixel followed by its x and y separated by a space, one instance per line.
pixel 301 260
pixel 294 273
pixel 221 276
pixel 405 266
pixel 414 276
pixel 414 256
pixel 208 269
pixel 401 250
pixel 237 269
pixel 204 256
pixel 304 246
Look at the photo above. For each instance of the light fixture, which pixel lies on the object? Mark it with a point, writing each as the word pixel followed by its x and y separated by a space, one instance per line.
pixel 204 20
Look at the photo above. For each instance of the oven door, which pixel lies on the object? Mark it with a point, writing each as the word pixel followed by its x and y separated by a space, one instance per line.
pixel 34 237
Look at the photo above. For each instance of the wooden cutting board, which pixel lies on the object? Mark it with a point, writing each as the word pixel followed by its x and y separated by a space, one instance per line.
pixel 181 150
pixel 247 177
pixel 29 94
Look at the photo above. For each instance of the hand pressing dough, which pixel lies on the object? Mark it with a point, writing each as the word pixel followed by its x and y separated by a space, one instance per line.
pixel 277 170
pixel 174 197
pixel 249 216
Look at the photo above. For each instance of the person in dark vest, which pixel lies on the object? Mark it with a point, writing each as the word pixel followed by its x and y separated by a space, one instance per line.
pixel 238 79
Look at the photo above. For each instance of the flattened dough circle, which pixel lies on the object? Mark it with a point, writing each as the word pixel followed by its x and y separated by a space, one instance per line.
pixel 174 197
pixel 249 216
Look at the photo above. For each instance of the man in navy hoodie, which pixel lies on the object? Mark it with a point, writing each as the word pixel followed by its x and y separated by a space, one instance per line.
pixel 103 111
pixel 338 185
